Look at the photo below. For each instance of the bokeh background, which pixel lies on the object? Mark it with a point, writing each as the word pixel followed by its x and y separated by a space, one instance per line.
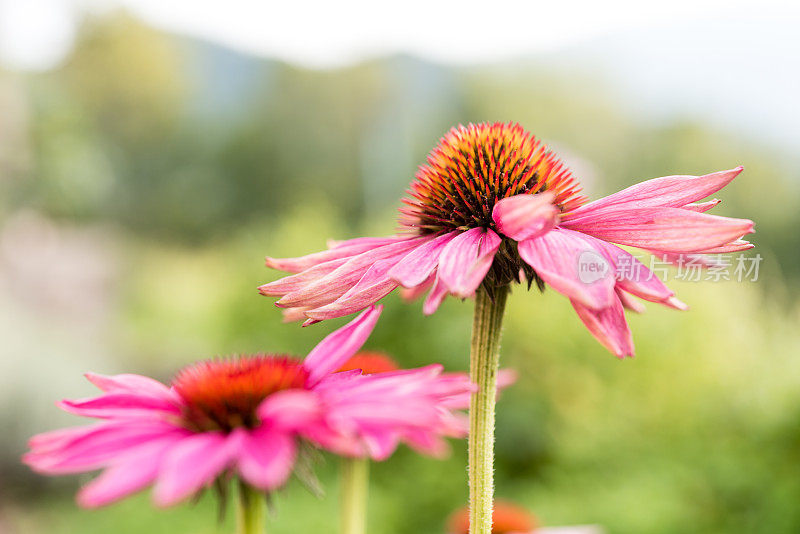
pixel 152 153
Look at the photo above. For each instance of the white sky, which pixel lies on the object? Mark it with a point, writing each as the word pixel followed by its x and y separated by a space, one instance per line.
pixel 36 34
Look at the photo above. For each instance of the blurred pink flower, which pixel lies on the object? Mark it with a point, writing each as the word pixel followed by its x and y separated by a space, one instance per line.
pixel 492 206
pixel 451 391
pixel 245 416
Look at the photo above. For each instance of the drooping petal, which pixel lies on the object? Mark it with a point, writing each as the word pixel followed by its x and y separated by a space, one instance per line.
pixel 608 326
pixel 291 315
pixel 571 265
pixel 682 260
pixel 525 216
pixel 266 458
pixel 418 265
pixel 413 293
pixel 629 302
pixel 665 192
pixel 738 245
pixel 373 286
pixel 466 260
pixel 296 282
pixel 331 353
pixel 632 275
pixel 343 249
pixel 192 464
pixel 702 207
pixel 330 287
pixel 435 297
pixel 667 229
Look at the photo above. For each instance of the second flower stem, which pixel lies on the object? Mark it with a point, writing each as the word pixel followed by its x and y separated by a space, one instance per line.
pixel 354 490
pixel 484 364
pixel 250 513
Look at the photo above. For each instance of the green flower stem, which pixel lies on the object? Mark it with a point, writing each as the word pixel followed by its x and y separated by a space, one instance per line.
pixel 484 363
pixel 355 487
pixel 251 511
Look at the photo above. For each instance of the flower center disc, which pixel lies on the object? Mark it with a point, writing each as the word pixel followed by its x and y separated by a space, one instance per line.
pixel 224 394
pixel 473 167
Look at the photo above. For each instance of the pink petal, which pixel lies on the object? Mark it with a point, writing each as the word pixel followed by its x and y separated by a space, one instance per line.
pixel 666 192
pixel 331 353
pixel 291 315
pixel 266 458
pixel 98 446
pixel 632 275
pixel 738 245
pixel 128 405
pixel 506 378
pixel 435 297
pixel 608 326
pixel 192 464
pixel 702 207
pixel 557 257
pixel 373 286
pixel 525 216
pixel 413 293
pixel 462 388
pixel 689 259
pixel 380 445
pixel 128 383
pixel 125 478
pixel 343 249
pixel 427 443
pixel 418 265
pixel 290 410
pixel 298 281
pixel 466 260
pixel 335 284
pixel 57 438
pixel 364 243
pixel 629 302
pixel 667 229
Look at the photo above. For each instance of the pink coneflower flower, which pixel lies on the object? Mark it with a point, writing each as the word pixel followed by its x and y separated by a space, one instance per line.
pixel 244 416
pixel 492 206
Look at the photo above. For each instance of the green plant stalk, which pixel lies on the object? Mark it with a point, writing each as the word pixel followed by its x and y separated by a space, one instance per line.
pixel 250 515
pixel 484 364
pixel 354 490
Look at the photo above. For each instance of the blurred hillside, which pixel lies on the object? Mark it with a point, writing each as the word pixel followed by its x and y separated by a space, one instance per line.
pixel 185 140
pixel 143 181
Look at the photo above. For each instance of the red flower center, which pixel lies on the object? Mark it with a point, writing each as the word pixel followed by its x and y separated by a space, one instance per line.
pixel 223 394
pixel 370 363
pixel 473 167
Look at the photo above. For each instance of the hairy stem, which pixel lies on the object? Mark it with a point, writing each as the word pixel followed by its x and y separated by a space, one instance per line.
pixel 484 363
